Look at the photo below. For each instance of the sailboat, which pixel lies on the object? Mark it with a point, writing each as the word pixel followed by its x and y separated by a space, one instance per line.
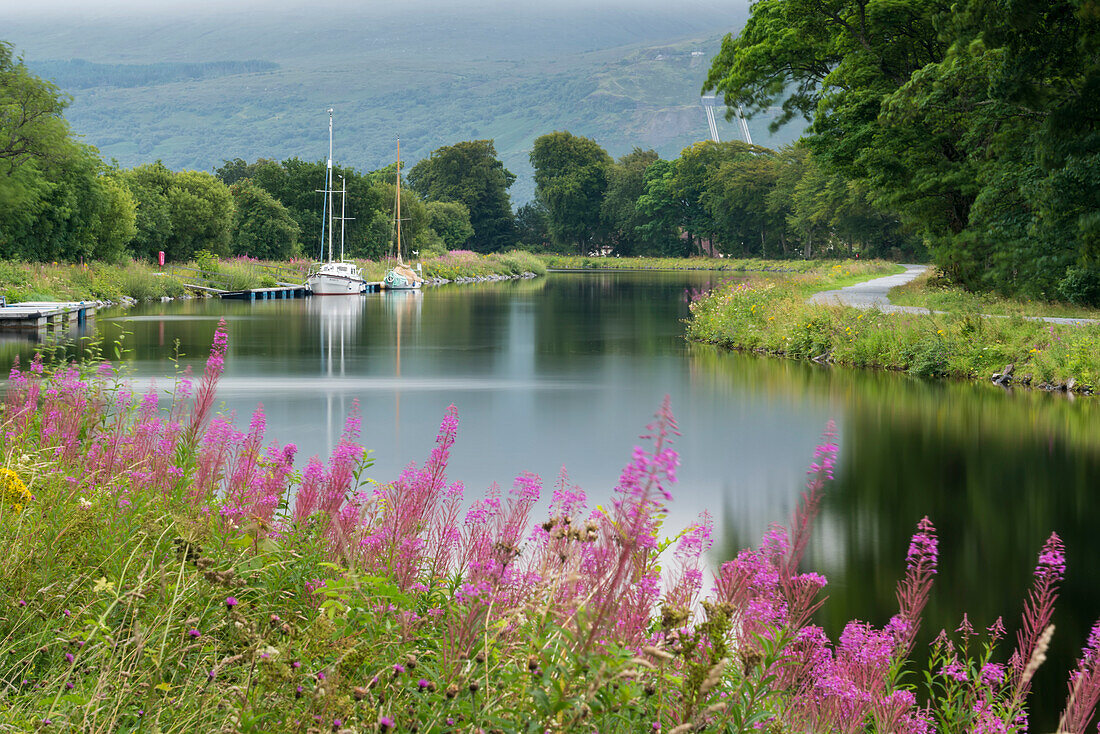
pixel 400 277
pixel 334 277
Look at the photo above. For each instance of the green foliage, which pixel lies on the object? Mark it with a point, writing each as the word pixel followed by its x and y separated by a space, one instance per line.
pixel 533 226
pixel 31 125
pixel 179 213
pixel 1081 286
pixel 470 173
pixel 967 119
pixel 774 318
pixel 262 227
pixel 570 182
pixel 57 199
pixel 451 221
pixel 623 222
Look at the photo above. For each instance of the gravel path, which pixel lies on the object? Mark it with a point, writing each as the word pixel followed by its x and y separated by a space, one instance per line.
pixel 873 294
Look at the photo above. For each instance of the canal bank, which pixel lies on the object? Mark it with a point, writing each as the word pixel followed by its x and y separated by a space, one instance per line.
pixel 857 326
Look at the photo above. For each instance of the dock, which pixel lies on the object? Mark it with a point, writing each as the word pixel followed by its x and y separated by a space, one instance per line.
pixel 282 290
pixel 46 314
pixel 292 284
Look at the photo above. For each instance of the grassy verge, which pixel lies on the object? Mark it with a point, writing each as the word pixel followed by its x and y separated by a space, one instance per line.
pixel 165 572
pixel 773 317
pixel 933 292
pixel 93 282
pixel 576 262
pixel 21 281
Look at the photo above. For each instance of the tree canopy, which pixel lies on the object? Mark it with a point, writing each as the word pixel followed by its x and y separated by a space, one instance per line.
pixel 570 182
pixel 975 121
pixel 470 174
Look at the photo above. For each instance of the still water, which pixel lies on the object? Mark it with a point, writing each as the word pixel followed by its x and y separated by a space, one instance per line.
pixel 565 371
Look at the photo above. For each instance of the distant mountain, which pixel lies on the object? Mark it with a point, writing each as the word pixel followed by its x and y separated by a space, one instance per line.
pixel 169 85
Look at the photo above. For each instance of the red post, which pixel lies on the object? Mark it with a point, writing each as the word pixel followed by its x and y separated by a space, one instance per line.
pixel 160 258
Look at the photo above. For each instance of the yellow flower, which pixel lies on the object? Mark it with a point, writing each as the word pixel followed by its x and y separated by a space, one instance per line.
pixel 13 492
pixel 939 331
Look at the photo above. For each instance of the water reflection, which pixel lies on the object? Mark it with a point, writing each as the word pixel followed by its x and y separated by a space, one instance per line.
pixel 997 473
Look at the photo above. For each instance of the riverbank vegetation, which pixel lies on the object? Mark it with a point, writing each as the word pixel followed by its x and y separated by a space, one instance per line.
pixel 774 317
pixel 933 291
pixel 97 281
pixel 167 570
pixel 733 265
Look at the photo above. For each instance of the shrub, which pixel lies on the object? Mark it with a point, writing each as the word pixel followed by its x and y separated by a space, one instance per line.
pixel 1081 286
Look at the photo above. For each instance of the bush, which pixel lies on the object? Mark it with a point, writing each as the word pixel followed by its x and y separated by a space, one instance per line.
pixel 1081 286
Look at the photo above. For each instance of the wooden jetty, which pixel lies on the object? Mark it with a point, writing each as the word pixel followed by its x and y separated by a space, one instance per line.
pixel 196 280
pixel 282 290
pixel 46 314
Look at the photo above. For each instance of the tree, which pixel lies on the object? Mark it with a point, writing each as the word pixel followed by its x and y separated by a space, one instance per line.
pixel 975 121
pixel 179 213
pixel 148 185
pixel 470 173
pixel 78 211
pixel 451 221
pixel 297 185
pixel 662 212
pixel 570 181
pixel 262 227
pixel 533 226
pixel 201 211
pixel 736 197
pixel 625 184
pixel 31 125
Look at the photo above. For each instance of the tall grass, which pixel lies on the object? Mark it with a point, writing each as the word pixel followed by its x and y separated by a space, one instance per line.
pixel 167 571
pixel 20 281
pixel 579 262
pixel 773 317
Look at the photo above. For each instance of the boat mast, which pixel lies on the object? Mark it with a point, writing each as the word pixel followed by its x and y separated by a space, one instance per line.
pixel 397 214
pixel 328 184
pixel 343 204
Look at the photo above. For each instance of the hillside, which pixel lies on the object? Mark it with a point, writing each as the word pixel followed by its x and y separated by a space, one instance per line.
pixel 194 88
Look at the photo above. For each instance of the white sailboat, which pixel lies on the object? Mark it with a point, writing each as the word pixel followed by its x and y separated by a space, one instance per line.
pixel 401 277
pixel 334 277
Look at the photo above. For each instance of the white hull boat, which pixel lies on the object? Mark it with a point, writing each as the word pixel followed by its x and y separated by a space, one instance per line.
pixel 334 277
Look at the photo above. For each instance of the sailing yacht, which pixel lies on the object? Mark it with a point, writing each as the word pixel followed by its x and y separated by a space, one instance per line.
pixel 334 277
pixel 400 277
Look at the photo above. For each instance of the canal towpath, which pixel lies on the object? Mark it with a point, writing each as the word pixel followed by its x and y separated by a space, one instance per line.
pixel 874 294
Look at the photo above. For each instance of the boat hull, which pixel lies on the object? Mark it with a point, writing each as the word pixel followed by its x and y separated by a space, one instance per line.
pixel 336 279
pixel 331 285
pixel 402 278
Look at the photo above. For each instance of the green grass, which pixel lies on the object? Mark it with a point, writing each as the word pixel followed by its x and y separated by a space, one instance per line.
pixel 773 318
pixel 20 281
pixel 744 265
pixel 931 290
